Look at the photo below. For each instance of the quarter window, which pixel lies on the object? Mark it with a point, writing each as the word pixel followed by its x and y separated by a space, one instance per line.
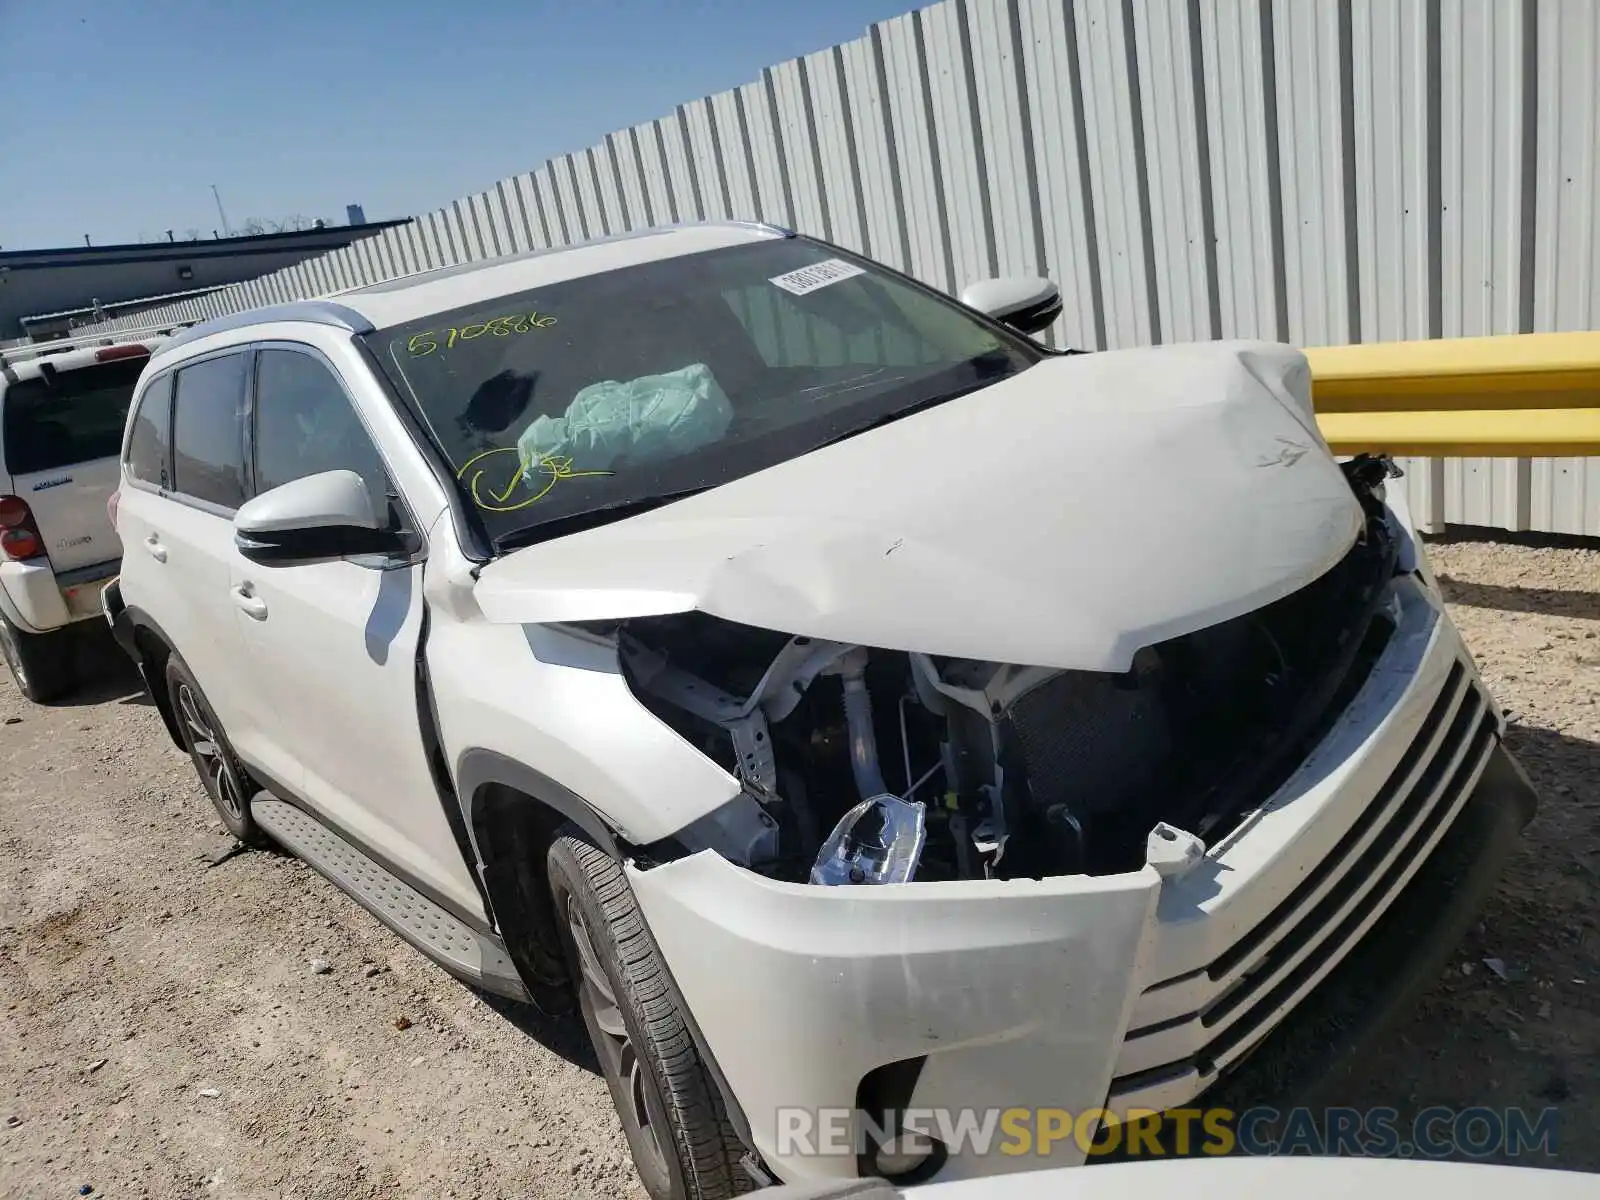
pixel 208 430
pixel 150 438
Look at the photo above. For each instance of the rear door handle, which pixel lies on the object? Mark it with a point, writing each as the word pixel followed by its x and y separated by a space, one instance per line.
pixel 156 549
pixel 252 605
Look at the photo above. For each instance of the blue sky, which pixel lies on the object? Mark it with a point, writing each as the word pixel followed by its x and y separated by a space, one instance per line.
pixel 117 116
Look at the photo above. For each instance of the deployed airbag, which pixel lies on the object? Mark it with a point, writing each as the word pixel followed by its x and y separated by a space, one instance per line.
pixel 653 416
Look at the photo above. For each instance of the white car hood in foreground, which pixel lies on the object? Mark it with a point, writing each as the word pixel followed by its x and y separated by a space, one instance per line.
pixel 1269 1178
pixel 1065 517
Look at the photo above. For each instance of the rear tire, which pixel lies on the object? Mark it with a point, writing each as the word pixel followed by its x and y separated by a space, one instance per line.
pixel 41 663
pixel 223 778
pixel 683 1145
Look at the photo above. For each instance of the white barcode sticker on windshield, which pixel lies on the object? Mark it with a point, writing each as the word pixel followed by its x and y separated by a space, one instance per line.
pixel 817 275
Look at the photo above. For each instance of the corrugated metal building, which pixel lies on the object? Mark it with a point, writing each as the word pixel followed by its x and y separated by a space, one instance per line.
pixel 1310 171
pixel 41 290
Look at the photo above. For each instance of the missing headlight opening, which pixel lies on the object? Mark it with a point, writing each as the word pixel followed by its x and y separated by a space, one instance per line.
pixel 1021 772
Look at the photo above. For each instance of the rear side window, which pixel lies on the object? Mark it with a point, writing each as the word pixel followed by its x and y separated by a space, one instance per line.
pixel 208 430
pixel 150 439
pixel 71 417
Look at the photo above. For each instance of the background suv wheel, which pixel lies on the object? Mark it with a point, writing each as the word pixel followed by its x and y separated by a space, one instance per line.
pixel 41 663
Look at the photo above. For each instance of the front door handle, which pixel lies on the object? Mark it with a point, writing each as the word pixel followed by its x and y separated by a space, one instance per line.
pixel 156 549
pixel 252 605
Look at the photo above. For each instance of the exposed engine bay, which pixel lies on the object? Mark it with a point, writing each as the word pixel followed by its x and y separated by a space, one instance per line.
pixel 862 765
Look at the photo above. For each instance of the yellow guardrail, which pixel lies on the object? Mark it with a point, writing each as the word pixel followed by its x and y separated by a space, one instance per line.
pixel 1519 395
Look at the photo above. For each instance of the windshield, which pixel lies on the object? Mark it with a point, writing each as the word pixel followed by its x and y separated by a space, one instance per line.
pixel 75 417
pixel 582 400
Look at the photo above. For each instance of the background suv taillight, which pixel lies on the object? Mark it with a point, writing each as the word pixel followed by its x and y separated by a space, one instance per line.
pixel 128 350
pixel 19 536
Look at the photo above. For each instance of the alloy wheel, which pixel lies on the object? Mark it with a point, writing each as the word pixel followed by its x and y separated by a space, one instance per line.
pixel 215 769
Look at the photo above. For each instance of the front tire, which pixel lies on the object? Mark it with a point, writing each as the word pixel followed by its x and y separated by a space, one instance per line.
pixel 41 663
pixel 223 778
pixel 683 1145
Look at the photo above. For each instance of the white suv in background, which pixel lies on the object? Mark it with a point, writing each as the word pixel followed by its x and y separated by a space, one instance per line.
pixel 62 414
pixel 843 701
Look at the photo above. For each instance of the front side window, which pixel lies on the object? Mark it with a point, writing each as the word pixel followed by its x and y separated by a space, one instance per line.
pixel 208 430
pixel 305 424
pixel 150 438
pixel 583 400
pixel 69 417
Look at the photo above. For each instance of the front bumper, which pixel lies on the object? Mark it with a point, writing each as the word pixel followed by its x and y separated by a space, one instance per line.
pixel 1127 991
pixel 1304 1061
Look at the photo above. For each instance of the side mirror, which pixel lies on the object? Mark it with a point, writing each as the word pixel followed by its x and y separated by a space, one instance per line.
pixel 315 519
pixel 1026 303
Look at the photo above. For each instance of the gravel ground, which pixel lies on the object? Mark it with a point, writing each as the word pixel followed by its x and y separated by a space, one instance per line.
pixel 162 1032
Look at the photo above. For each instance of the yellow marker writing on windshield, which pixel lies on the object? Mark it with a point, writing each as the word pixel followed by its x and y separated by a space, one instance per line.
pixel 423 344
pixel 555 468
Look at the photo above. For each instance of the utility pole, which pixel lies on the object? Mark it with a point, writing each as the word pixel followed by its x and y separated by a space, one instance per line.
pixel 220 213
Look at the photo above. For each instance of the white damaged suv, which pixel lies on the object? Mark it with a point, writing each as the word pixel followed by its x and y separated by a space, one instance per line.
pixel 844 702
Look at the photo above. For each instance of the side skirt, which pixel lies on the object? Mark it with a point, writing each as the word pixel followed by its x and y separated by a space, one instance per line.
pixel 478 958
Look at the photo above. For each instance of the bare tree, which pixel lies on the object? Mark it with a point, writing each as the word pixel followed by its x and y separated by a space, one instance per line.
pixel 255 226
pixel 192 234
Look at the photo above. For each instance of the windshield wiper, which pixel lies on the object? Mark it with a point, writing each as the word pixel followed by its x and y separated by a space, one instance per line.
pixel 590 517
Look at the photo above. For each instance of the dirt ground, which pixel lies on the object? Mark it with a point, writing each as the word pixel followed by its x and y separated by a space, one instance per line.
pixel 162 1032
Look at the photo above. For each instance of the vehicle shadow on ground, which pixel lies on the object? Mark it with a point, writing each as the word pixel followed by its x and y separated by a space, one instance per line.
pixel 1517 1000
pixel 1552 750
pixel 117 684
pixel 104 674
pixel 1478 534
pixel 1554 602
pixel 1565 602
pixel 565 1036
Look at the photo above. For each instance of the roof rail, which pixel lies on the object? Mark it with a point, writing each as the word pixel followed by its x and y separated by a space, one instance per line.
pixel 314 312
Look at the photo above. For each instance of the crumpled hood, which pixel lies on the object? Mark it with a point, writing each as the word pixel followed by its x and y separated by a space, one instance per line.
pixel 1065 517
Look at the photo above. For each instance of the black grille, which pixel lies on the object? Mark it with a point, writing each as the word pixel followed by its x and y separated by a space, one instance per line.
pixel 1204 726
pixel 1094 742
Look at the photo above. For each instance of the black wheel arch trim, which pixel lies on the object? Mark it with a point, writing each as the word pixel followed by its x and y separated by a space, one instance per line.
pixel 476 769
pixel 127 623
